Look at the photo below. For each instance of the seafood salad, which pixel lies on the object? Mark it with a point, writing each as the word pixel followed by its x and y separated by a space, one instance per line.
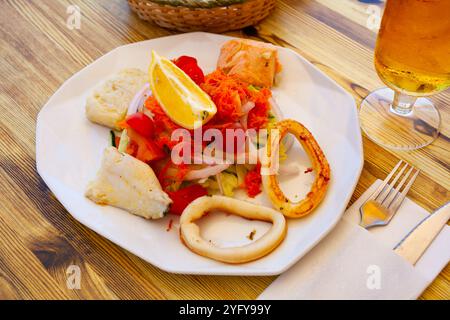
pixel 182 142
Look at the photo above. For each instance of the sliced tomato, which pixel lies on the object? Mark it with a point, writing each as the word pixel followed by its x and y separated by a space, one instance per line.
pixel 141 124
pixel 185 60
pixel 183 197
pixel 143 149
pixel 190 66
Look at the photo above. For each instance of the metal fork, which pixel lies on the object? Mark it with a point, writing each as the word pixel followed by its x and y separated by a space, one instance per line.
pixel 382 205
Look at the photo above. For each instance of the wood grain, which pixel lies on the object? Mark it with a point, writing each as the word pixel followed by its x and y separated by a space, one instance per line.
pixel 39 238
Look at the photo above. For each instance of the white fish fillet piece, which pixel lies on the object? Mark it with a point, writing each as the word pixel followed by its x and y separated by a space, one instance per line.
pixel 130 184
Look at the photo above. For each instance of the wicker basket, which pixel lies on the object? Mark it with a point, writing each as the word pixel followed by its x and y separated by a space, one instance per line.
pixel 196 15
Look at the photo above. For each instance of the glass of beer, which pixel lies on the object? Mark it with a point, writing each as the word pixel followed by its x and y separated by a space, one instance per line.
pixel 412 58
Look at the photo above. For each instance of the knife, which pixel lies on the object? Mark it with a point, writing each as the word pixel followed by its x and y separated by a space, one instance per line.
pixel 416 242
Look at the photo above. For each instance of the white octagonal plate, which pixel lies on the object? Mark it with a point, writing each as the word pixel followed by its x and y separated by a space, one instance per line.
pixel 69 150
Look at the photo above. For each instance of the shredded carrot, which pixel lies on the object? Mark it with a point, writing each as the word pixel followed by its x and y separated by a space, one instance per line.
pixel 253 181
pixel 229 93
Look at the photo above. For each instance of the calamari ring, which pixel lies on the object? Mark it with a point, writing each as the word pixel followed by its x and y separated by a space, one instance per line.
pixel 190 232
pixel 320 165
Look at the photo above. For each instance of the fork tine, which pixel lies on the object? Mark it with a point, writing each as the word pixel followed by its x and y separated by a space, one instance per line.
pixel 387 202
pixel 385 182
pixel 399 200
pixel 391 185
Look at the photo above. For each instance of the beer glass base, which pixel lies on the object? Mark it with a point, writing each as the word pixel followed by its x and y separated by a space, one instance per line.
pixel 400 132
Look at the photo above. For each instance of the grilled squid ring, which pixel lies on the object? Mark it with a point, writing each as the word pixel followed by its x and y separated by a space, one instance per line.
pixel 190 232
pixel 320 165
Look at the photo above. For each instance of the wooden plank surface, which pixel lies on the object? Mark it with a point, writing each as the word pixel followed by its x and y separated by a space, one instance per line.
pixel 39 239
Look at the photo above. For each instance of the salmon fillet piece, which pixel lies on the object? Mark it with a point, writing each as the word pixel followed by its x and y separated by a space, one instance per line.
pixel 251 61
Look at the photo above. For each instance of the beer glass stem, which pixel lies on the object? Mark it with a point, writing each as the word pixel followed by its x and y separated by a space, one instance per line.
pixel 402 104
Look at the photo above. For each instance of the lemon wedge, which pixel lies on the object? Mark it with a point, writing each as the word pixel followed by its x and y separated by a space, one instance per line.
pixel 184 102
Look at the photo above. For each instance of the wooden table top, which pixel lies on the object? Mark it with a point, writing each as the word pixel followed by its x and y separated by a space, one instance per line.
pixel 40 240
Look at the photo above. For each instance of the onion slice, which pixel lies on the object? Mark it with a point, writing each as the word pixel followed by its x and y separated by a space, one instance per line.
pixel 206 172
pixel 247 107
pixel 288 141
pixel 138 99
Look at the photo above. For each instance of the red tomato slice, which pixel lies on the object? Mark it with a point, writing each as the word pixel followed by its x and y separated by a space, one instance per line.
pixel 183 197
pixel 185 60
pixel 142 148
pixel 141 124
pixel 190 66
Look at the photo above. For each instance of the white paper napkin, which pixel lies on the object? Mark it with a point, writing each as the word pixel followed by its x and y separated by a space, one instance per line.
pixel 355 263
